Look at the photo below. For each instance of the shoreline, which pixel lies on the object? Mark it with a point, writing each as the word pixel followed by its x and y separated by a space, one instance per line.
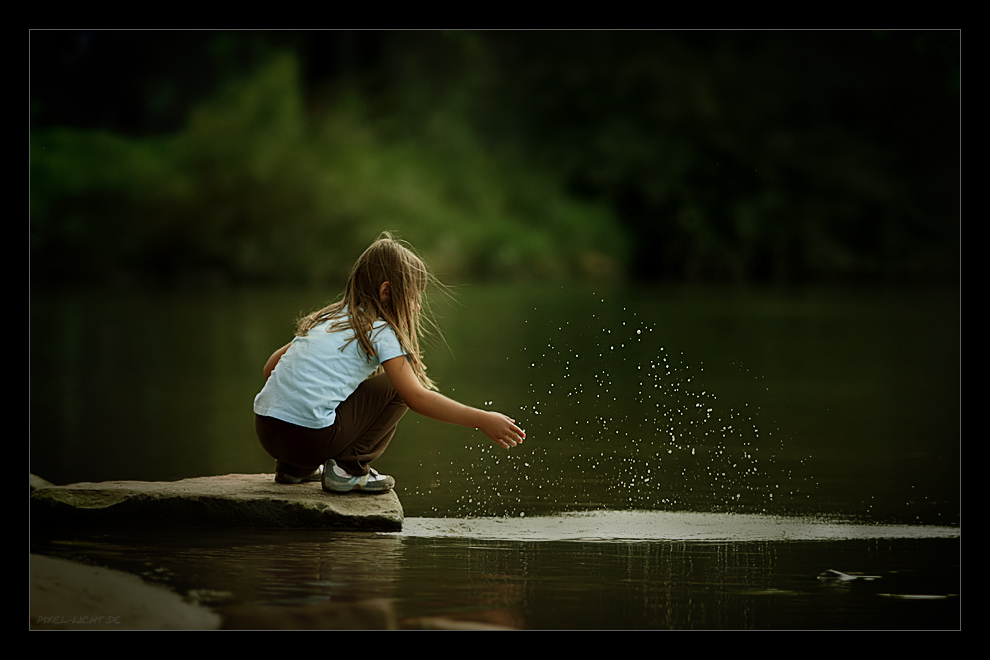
pixel 69 595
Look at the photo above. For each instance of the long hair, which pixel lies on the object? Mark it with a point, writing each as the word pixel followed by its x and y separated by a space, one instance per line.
pixel 360 305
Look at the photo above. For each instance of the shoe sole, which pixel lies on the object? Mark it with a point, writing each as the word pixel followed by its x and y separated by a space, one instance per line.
pixel 349 488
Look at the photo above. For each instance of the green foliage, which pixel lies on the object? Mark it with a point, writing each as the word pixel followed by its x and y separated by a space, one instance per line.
pixel 256 189
pixel 778 156
pixel 752 155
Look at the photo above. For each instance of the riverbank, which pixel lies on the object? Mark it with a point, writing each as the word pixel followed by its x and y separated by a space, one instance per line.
pixel 67 595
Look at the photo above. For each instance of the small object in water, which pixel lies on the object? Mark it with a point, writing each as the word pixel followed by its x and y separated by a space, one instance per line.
pixel 838 576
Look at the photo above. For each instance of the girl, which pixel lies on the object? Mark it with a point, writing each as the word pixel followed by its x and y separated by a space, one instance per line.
pixel 333 396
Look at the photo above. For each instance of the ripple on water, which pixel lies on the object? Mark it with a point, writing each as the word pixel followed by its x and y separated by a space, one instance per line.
pixel 663 526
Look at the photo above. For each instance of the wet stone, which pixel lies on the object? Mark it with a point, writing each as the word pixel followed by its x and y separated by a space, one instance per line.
pixel 233 500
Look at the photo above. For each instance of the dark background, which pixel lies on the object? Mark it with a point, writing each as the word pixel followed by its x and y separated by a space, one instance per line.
pixel 248 156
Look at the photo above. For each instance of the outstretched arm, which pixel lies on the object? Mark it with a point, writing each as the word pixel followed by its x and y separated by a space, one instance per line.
pixel 501 429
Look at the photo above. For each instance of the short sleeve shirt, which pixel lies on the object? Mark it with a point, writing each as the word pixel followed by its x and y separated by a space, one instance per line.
pixel 319 371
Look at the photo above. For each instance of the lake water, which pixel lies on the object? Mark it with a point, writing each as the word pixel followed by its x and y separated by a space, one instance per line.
pixel 696 458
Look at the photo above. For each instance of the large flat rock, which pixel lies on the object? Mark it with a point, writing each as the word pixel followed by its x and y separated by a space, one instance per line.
pixel 232 500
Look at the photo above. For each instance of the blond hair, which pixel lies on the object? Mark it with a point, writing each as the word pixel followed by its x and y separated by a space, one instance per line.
pixel 361 304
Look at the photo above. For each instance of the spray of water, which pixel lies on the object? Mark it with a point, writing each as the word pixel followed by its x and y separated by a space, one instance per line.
pixel 620 421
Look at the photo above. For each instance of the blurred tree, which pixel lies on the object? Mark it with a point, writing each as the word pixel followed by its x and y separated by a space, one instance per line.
pixel 729 155
pixel 751 154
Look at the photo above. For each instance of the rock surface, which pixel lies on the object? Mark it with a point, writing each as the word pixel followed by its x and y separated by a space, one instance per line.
pixel 66 595
pixel 233 500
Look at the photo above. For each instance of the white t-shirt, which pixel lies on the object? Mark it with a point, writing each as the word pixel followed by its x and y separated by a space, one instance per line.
pixel 319 371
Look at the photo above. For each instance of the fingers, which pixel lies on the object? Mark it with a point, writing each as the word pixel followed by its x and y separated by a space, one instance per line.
pixel 520 435
pixel 512 436
pixel 508 438
pixel 505 432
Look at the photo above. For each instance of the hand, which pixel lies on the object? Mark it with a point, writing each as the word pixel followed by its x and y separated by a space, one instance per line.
pixel 502 430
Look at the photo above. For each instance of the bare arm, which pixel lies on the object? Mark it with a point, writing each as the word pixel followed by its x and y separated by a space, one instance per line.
pixel 501 429
pixel 273 360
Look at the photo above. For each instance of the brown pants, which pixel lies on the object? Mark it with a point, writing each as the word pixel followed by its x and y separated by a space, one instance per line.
pixel 365 424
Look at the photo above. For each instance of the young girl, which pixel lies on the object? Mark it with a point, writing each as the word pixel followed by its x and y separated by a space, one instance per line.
pixel 333 396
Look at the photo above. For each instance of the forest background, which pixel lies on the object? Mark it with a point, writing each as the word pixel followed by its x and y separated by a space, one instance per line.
pixel 178 157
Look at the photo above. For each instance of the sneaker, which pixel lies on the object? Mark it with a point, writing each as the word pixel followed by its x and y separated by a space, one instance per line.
pixel 369 483
pixel 285 478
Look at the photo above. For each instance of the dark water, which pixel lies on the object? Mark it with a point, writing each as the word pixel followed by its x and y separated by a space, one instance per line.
pixel 810 410
pixel 543 579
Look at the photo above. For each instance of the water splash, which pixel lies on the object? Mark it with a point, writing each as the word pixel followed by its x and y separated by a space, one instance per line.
pixel 624 422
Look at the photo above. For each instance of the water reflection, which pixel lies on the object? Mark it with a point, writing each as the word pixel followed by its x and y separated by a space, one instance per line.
pixel 555 584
